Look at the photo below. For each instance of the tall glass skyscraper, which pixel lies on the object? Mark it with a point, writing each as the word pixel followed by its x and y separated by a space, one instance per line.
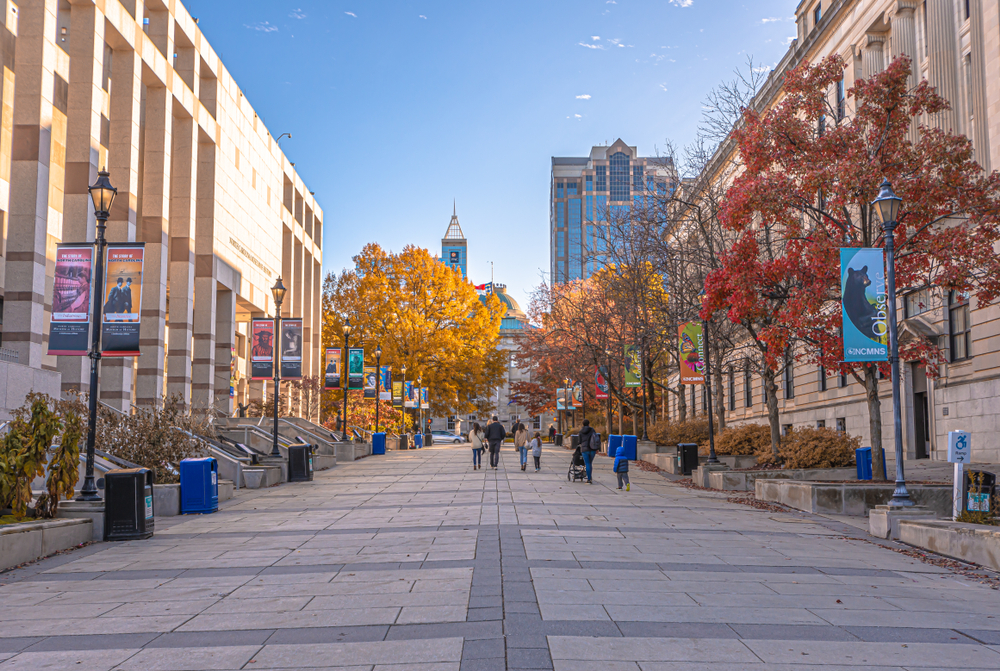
pixel 584 190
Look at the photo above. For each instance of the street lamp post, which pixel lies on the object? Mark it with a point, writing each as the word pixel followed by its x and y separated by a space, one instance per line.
pixel 402 410
pixel 420 405
pixel 278 293
pixel 102 194
pixel 712 458
pixel 887 207
pixel 565 406
pixel 607 381
pixel 378 381
pixel 347 378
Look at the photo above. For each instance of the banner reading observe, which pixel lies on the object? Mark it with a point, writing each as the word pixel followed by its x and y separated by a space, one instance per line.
pixel 633 366
pixel 397 394
pixel 70 326
pixel 601 383
pixel 122 300
pixel 691 341
pixel 261 349
pixel 864 304
pixel 356 368
pixel 385 384
pixel 408 399
pixel 291 349
pixel 424 401
pixel 369 382
pixel 331 378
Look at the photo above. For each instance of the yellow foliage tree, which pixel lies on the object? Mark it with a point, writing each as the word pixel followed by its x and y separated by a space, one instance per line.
pixel 423 314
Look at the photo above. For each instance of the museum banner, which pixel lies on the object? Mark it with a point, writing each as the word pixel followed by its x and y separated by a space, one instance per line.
pixel 356 368
pixel 692 353
pixel 261 349
pixel 562 398
pixel 577 395
pixel 369 382
pixel 601 383
pixel 69 330
pixel 864 304
pixel 291 349
pixel 408 399
pixel 397 394
pixel 385 384
pixel 122 306
pixel 331 378
pixel 633 366
pixel 424 398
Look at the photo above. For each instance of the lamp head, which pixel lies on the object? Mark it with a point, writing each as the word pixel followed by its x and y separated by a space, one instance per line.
pixel 378 352
pixel 278 292
pixel 403 368
pixel 347 327
pixel 102 194
pixel 887 204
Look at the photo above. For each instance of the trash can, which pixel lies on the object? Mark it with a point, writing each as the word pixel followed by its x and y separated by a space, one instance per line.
pixel 378 443
pixel 418 441
pixel 979 489
pixel 687 457
pixel 863 457
pixel 558 439
pixel 428 439
pixel 403 442
pixel 574 440
pixel 630 443
pixel 128 504
pixel 614 442
pixel 300 463
pixel 199 486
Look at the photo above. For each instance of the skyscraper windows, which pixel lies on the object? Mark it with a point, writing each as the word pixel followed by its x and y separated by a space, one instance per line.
pixel 602 177
pixel 619 164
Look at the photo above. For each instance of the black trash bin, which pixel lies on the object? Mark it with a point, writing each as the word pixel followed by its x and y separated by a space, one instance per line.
pixel 574 440
pixel 128 504
pixel 558 439
pixel 979 489
pixel 404 441
pixel 300 463
pixel 687 457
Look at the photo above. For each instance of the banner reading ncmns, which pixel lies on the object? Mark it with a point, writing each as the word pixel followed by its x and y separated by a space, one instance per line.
pixel 70 326
pixel 385 384
pixel 633 366
pixel 261 349
pixel 601 383
pixel 122 300
pixel 864 304
pixel 356 368
pixel 331 378
pixel 291 349
pixel 369 382
pixel 691 341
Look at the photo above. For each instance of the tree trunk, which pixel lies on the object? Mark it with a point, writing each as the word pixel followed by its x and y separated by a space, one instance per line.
pixel 874 420
pixel 772 409
pixel 682 408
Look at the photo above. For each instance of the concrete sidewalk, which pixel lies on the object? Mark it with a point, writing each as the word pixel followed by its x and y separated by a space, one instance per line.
pixel 415 561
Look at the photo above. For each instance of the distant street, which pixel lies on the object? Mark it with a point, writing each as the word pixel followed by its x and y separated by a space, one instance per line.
pixel 413 561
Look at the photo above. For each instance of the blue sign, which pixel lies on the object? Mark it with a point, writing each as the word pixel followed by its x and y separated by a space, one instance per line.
pixel 864 304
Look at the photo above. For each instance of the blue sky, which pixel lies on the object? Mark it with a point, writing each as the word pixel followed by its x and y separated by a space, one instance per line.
pixel 397 107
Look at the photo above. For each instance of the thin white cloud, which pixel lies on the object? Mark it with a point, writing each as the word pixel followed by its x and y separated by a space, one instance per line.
pixel 585 96
pixel 591 46
pixel 775 19
pixel 297 14
pixel 423 17
pixel 351 14
pixel 664 87
pixel 682 3
pixel 263 27
pixel 578 116
pixel 595 37
pixel 611 2
pixel 789 40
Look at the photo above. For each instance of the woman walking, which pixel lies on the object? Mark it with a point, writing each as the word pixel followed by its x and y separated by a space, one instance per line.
pixel 478 439
pixel 536 451
pixel 521 443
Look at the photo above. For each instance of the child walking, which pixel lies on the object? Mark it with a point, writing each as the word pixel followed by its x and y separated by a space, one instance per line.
pixel 536 450
pixel 621 468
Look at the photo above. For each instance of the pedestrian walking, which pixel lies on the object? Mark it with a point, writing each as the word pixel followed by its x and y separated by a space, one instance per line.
pixel 521 443
pixel 587 447
pixel 621 468
pixel 478 439
pixel 495 434
pixel 552 433
pixel 536 450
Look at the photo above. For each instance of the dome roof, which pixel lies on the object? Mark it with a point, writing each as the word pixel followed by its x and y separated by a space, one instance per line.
pixel 514 310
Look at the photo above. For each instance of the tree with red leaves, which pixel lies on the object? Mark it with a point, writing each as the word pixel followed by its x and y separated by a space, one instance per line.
pixel 811 171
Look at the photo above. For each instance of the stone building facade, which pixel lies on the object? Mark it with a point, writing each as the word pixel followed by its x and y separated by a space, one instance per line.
pixel 955 45
pixel 133 85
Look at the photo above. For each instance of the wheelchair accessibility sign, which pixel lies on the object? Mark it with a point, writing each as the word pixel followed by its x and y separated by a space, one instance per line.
pixel 959 447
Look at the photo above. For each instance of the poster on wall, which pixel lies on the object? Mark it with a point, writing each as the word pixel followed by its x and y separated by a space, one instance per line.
pixel 385 384
pixel 692 350
pixel 864 304
pixel 601 383
pixel 369 381
pixel 424 398
pixel 355 368
pixel 397 394
pixel 633 366
pixel 122 300
pixel 261 349
pixel 291 349
pixel 408 400
pixel 69 330
pixel 331 378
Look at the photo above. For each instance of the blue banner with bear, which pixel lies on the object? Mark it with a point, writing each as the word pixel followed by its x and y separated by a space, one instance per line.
pixel 865 311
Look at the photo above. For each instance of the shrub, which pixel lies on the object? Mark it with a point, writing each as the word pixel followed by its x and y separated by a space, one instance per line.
pixel 742 440
pixel 673 433
pixel 813 448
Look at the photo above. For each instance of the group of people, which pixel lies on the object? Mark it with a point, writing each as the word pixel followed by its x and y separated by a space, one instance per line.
pixel 492 438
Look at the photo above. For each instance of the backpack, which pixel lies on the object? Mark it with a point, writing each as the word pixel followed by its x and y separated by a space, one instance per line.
pixel 595 441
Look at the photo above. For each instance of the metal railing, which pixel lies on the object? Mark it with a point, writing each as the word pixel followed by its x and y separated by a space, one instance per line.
pixel 9 355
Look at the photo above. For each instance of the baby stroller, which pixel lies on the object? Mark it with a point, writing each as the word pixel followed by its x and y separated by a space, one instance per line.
pixel 577 467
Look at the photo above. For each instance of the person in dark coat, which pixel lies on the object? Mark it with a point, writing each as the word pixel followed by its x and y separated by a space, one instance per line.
pixel 588 451
pixel 495 434
pixel 552 432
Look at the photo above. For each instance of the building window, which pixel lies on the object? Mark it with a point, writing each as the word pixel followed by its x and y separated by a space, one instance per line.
pixel 732 390
pixel 451 423
pixel 959 328
pixel 560 214
pixel 590 182
pixel 536 423
pixel 661 188
pixel 967 66
pixel 571 188
pixel 575 239
pixel 820 423
pixel 842 380
pixel 602 177
pixel 789 376
pixel 602 208
pixel 842 424
pixel 560 189
pixel 822 378
pixel 841 101
pixel 590 208
pixel 786 429
pixel 620 189
pixel 817 13
pixel 968 9
pixel 916 303
pixel 821 126
pixel 747 386
pixel 637 177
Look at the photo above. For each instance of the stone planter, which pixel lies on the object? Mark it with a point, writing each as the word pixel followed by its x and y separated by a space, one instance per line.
pixel 28 541
pixel 744 481
pixel 969 542
pixel 849 498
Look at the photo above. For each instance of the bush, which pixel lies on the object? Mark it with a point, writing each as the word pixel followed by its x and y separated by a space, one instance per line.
pixel 813 448
pixel 673 433
pixel 742 440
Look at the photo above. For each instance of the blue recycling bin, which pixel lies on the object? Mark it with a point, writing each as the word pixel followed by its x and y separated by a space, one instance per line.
pixel 199 485
pixel 418 440
pixel 863 457
pixel 630 443
pixel 378 443
pixel 614 442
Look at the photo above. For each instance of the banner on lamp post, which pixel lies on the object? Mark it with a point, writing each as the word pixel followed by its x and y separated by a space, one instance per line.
pixel 424 398
pixel 408 399
pixel 633 366
pixel 261 349
pixel 369 382
pixel 71 296
pixel 385 384
pixel 576 395
pixel 691 341
pixel 122 300
pixel 397 394
pixel 864 304
pixel 601 387
pixel 331 378
pixel 291 349
pixel 562 398
pixel 355 368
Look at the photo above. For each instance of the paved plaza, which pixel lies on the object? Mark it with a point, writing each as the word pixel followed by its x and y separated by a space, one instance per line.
pixel 415 561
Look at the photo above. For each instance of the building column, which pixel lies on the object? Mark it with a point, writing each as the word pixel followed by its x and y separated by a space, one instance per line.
pixel 904 43
pixel 205 282
pixel 942 55
pixel 180 315
pixel 873 58
pixel 225 342
pixel 990 13
pixel 154 230
pixel 27 230
pixel 980 120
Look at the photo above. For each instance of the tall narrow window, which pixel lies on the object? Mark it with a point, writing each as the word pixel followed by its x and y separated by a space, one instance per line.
pixel 842 380
pixel 590 182
pixel 822 378
pixel 789 376
pixel 841 101
pixel 560 189
pixel 602 177
pixel 747 386
pixel 571 188
pixel 620 183
pixel 967 67
pixel 959 328
pixel 817 13
pixel 732 390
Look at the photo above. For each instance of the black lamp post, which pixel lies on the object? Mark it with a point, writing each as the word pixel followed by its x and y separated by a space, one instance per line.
pixel 102 194
pixel 378 382
pixel 712 458
pixel 402 421
pixel 607 381
pixel 642 377
pixel 420 405
pixel 347 378
pixel 278 293
pixel 886 206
